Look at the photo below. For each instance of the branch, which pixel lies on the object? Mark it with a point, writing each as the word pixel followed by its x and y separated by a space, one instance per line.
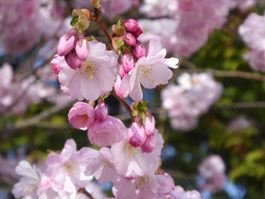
pixel 242 105
pixel 126 106
pixel 83 191
pixel 38 118
pixel 232 74
pixel 98 19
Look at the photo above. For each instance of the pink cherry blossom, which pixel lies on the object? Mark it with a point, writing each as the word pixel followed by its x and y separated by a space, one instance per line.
pixel 106 132
pixel 213 170
pixel 131 162
pixel 191 98
pixel 81 116
pixel 95 77
pixel 150 71
pixel 28 183
pixel 66 170
pixel 100 164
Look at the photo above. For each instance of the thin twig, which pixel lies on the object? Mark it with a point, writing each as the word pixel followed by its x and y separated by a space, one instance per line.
pixel 232 74
pixel 98 19
pixel 126 106
pixel 84 191
pixel 242 105
pixel 38 118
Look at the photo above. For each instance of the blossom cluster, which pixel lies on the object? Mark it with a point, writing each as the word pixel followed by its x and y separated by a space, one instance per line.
pixel 192 22
pixel 131 170
pixel 191 98
pixel 24 23
pixel 127 157
pixel 212 169
pixel 252 31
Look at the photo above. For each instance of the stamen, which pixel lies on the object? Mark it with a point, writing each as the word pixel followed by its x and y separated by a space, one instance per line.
pixel 89 69
pixel 145 72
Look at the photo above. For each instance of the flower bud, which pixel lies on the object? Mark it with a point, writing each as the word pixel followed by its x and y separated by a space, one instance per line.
pixel 65 45
pixel 149 144
pixel 138 50
pixel 127 62
pixel 82 49
pixel 81 116
pixel 118 30
pixel 136 135
pixel 122 88
pixel 56 64
pixel 121 71
pixel 130 25
pixel 129 39
pixel 149 126
pixel 115 43
pixel 138 32
pixel 73 61
pixel 101 111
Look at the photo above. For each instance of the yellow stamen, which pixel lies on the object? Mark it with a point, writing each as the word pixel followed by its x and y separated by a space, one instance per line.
pixel 145 72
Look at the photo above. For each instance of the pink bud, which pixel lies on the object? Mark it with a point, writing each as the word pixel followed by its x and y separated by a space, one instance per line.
pixel 127 62
pixel 129 39
pixel 138 50
pixel 136 135
pixel 82 49
pixel 73 61
pixel 81 115
pixel 122 88
pixel 121 71
pixel 101 111
pixel 65 45
pixel 138 32
pixel 56 64
pixel 149 144
pixel 149 126
pixel 130 25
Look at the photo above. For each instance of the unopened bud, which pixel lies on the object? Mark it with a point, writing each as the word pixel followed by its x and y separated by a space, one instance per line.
pixel 138 32
pixel 82 49
pixel 55 63
pixel 66 44
pixel 138 50
pixel 129 39
pixel 149 126
pixel 118 30
pixel 130 25
pixel 101 111
pixel 149 144
pixel 121 71
pixel 115 43
pixel 136 135
pixel 73 61
pixel 127 62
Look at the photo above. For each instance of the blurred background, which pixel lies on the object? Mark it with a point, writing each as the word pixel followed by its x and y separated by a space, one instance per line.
pixel 209 37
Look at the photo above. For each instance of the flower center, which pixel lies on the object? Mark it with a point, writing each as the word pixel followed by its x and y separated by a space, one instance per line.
pixel 145 72
pixel 70 168
pixel 142 181
pixel 88 69
pixel 130 149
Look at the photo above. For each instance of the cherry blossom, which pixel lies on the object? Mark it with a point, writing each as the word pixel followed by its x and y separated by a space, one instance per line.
pixel 94 78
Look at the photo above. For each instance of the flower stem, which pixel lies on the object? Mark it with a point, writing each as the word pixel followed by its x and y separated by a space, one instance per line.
pixel 126 106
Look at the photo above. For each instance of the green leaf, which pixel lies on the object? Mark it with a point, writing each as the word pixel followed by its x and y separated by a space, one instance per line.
pixel 74 20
